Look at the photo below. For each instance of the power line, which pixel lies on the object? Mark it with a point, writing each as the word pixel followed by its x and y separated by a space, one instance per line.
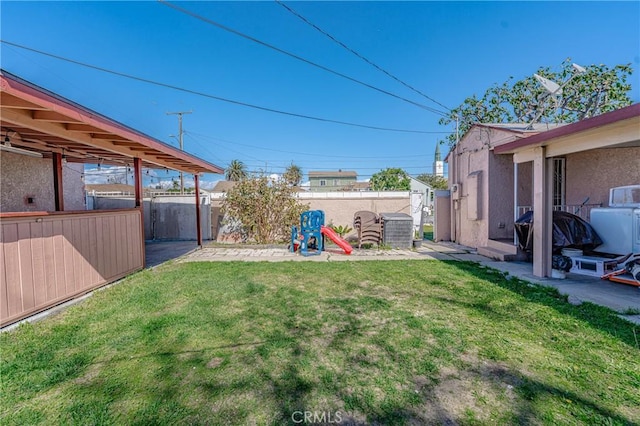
pixel 205 95
pixel 305 20
pixel 306 153
pixel 293 55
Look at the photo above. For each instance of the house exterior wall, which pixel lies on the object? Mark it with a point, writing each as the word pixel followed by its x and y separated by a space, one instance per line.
pixel 525 183
pixel 22 176
pixel 500 209
pixel 332 183
pixel 592 173
pixel 442 215
pixel 481 212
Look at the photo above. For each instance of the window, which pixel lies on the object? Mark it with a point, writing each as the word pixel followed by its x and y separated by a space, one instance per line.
pixel 336 182
pixel 323 182
pixel 558 182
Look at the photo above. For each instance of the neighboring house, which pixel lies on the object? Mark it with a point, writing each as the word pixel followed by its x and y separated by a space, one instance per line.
pixel 327 181
pixel 422 203
pixel 498 171
pixel 52 249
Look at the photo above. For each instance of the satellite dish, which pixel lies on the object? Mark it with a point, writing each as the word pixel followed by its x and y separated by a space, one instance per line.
pixel 550 86
pixel 578 68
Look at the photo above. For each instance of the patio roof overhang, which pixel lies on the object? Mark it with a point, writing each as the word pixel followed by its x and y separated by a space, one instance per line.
pixel 38 120
pixel 615 129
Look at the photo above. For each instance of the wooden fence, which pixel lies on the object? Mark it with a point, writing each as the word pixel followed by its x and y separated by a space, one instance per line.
pixel 49 258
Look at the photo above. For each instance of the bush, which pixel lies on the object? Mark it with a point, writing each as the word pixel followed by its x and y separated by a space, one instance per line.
pixel 262 210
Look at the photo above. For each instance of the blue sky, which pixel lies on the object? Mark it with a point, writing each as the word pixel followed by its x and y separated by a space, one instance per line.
pixel 447 50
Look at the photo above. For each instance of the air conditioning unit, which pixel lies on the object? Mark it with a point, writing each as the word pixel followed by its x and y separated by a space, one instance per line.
pixel 456 189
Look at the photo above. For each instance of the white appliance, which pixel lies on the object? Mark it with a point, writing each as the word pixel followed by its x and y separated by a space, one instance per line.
pixel 619 226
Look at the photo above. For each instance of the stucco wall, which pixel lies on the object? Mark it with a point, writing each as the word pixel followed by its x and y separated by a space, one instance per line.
pixel 340 211
pixel 592 173
pixel 525 183
pixel 474 157
pixel 501 210
pixel 22 176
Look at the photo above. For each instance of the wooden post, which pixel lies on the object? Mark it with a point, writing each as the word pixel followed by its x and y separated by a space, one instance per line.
pixel 542 214
pixel 196 178
pixel 137 171
pixel 58 187
pixel 137 181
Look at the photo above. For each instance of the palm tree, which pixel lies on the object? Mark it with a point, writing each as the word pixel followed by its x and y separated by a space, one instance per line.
pixel 236 171
pixel 293 175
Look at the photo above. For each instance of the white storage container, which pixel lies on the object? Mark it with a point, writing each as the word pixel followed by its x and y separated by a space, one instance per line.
pixel 619 229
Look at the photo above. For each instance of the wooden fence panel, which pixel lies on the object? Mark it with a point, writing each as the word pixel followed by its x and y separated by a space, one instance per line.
pixel 49 258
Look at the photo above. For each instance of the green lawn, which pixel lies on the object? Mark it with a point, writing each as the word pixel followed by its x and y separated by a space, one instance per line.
pixel 382 342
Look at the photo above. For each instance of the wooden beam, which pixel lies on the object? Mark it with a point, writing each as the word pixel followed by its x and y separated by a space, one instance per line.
pixel 196 179
pixel 10 101
pixel 137 177
pixel 137 173
pixel 58 190
pixel 85 128
pixel 23 118
pixel 52 116
pixel 107 136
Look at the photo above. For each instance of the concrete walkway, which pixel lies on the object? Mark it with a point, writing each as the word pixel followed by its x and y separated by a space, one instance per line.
pixel 579 288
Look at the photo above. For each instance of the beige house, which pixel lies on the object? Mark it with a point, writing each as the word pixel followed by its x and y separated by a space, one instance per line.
pixel 497 172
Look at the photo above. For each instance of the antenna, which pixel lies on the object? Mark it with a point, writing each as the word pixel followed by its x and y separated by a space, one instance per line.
pixel 553 89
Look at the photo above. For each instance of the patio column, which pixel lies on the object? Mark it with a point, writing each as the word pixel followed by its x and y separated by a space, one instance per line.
pixel 542 213
pixel 515 202
pixel 196 179
pixel 58 187
pixel 137 177
pixel 137 182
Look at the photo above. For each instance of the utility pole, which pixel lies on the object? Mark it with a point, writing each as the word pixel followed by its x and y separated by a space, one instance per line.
pixel 180 114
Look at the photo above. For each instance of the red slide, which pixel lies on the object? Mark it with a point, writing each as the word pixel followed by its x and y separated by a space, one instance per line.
pixel 342 243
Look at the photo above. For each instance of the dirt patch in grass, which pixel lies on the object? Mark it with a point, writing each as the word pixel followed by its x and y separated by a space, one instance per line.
pixel 476 393
pixel 92 372
pixel 215 362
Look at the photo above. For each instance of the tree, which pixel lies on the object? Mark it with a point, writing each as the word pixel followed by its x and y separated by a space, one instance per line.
pixel 599 89
pixel 391 179
pixel 262 210
pixel 434 181
pixel 236 171
pixel 293 175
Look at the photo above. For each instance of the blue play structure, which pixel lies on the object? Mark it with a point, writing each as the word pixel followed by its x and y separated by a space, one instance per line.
pixel 308 240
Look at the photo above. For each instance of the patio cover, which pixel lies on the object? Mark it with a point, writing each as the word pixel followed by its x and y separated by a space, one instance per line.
pixel 38 120
pixel 619 128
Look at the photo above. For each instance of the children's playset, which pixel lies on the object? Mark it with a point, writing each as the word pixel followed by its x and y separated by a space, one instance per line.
pixel 308 240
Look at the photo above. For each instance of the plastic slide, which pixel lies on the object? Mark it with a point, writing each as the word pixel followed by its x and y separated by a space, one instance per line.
pixel 342 243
